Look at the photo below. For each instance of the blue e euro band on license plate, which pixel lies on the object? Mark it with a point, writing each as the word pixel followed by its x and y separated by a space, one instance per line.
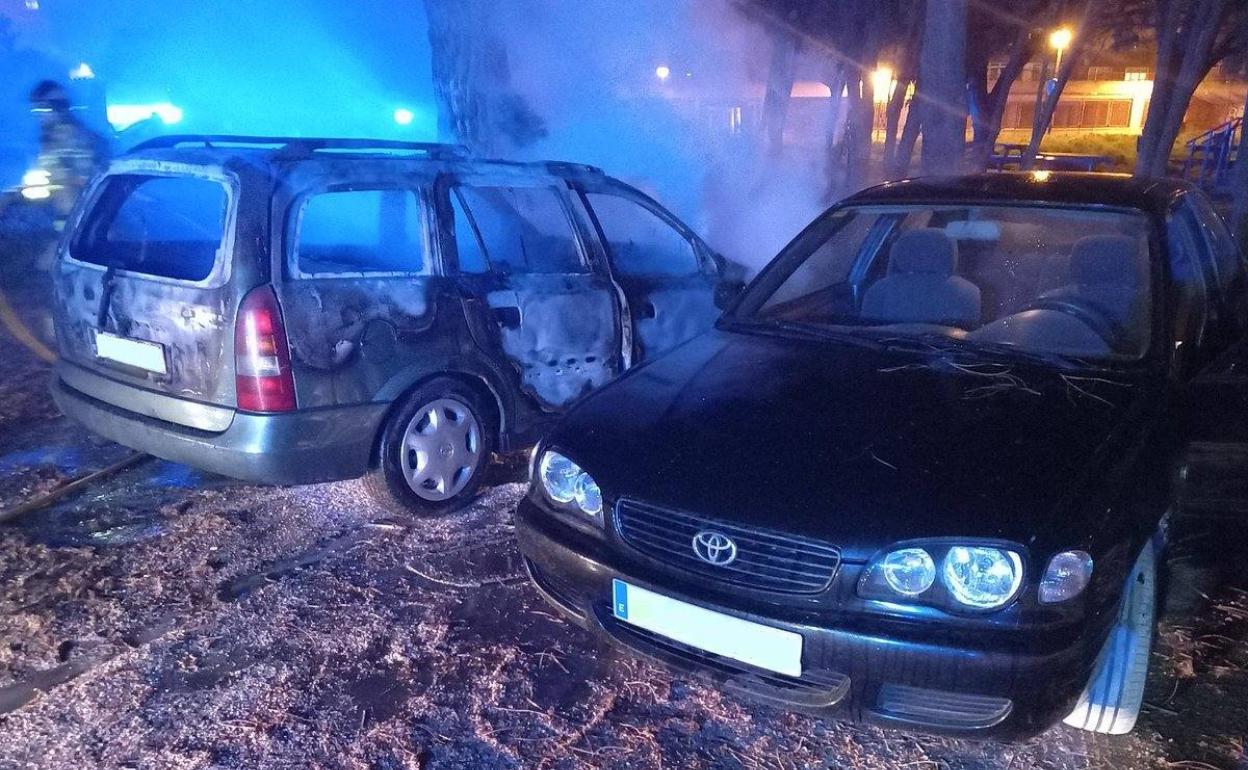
pixel 769 648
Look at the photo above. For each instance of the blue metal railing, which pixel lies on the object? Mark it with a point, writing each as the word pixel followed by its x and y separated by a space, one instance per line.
pixel 1211 155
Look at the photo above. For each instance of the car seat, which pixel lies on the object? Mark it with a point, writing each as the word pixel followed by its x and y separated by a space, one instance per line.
pixel 922 285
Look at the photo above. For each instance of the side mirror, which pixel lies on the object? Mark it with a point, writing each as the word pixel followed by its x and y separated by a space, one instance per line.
pixel 726 292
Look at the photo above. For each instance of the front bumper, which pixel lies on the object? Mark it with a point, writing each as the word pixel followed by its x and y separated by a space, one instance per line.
pixel 302 447
pixel 924 679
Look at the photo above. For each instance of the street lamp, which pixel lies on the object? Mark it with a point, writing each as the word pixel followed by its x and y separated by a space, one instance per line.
pixel 1060 40
pixel 662 72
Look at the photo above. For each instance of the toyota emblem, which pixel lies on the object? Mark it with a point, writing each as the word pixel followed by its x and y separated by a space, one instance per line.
pixel 715 548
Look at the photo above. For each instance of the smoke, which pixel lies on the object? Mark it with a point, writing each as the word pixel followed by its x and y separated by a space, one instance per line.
pixel 586 68
pixel 590 70
pixel 306 68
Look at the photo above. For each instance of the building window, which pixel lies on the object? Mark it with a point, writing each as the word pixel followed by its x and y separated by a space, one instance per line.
pixel 1136 73
pixel 1102 73
pixel 1099 113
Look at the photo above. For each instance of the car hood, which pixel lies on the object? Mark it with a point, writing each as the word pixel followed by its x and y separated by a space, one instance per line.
pixel 859 447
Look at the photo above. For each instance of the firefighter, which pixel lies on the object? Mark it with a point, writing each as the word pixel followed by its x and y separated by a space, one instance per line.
pixel 69 152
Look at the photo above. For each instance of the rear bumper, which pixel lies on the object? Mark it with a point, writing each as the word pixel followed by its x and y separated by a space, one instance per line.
pixel 297 448
pixel 931 681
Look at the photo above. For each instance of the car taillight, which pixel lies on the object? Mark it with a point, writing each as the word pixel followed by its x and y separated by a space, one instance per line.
pixel 261 355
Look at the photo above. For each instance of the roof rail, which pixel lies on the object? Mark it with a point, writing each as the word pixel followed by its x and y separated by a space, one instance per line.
pixel 298 147
pixel 563 166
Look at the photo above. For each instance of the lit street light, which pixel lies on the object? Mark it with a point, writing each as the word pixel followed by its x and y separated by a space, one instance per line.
pixel 882 84
pixel 662 72
pixel 404 116
pixel 1060 40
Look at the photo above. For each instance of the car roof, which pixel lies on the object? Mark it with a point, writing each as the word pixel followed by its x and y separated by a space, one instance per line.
pixel 259 150
pixel 1051 187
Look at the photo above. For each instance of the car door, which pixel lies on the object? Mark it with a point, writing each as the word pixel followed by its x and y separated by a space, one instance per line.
pixel 1214 473
pixel 360 290
pixel 670 279
pixel 524 271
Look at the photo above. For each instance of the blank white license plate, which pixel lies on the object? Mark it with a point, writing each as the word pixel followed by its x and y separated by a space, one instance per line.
pixel 763 646
pixel 137 353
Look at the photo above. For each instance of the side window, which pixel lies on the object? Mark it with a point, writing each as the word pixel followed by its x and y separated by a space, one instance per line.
pixel 641 243
pixel 1188 290
pixel 524 229
pixel 819 275
pixel 1227 258
pixel 360 231
pixel 467 245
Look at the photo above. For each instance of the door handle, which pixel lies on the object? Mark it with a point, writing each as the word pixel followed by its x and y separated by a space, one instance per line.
pixel 646 310
pixel 506 317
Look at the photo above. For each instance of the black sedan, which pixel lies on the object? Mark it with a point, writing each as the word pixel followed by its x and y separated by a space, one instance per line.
pixel 920 473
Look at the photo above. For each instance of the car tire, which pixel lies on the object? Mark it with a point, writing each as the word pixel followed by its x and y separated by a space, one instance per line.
pixel 434 451
pixel 1111 702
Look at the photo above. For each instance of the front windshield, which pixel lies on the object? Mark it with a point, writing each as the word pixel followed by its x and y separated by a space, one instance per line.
pixel 1038 279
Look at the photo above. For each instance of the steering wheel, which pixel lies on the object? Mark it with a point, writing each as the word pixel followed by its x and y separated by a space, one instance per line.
pixel 1110 332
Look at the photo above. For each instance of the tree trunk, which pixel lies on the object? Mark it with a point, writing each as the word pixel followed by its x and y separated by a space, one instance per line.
pixel 942 86
pixel 907 73
pixel 477 105
pixel 1048 106
pixel 909 137
pixel 858 128
pixel 995 101
pixel 892 121
pixel 1184 58
pixel 780 77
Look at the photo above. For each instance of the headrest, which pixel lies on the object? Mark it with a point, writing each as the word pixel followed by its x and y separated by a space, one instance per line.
pixel 1105 260
pixel 928 251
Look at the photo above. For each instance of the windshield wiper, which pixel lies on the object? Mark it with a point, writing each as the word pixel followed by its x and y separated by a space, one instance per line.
pixel 805 330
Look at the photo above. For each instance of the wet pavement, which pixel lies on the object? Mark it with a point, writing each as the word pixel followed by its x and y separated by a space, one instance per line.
pixel 165 618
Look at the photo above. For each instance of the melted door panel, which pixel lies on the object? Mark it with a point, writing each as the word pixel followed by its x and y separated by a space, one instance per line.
pixel 563 341
pixel 663 270
pixel 361 295
pixel 521 261
pixel 348 336
pixel 666 314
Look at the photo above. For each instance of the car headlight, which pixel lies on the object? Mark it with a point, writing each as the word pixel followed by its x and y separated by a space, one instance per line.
pixel 36 177
pixel 909 571
pixel 1068 573
pixel 980 577
pixel 972 576
pixel 568 486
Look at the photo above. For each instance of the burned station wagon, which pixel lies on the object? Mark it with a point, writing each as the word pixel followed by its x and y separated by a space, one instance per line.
pixel 920 472
pixel 303 310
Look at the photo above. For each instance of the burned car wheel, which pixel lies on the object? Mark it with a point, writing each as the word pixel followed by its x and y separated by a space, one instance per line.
pixel 434 450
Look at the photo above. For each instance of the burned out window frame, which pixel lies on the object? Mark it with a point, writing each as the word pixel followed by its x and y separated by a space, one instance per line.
pixel 561 189
pixel 700 255
pixel 294 225
pixel 222 268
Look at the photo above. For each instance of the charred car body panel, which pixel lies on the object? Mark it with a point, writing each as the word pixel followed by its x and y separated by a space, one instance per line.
pixel 803 438
pixel 364 323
